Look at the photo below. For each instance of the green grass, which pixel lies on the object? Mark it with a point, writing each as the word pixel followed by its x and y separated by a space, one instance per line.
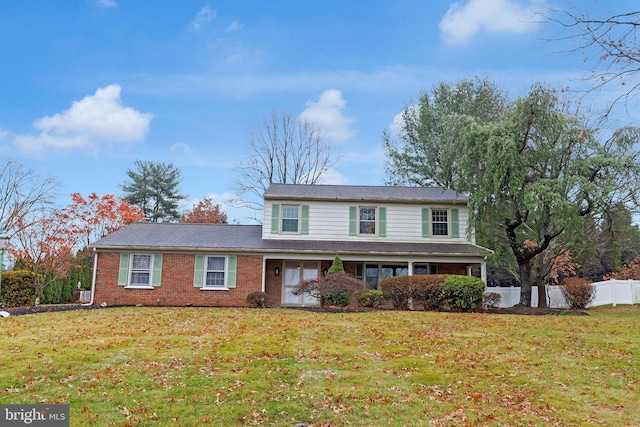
pixel 195 366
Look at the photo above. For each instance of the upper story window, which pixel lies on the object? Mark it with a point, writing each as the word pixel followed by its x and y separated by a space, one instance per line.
pixel 290 218
pixel 215 272
pixel 141 267
pixel 367 224
pixel 440 222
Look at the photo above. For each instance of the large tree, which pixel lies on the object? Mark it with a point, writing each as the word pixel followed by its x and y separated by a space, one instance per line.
pixel 153 187
pixel 427 146
pixel 284 150
pixel 206 211
pixel 534 175
pixel 541 172
pixel 608 45
pixel 22 191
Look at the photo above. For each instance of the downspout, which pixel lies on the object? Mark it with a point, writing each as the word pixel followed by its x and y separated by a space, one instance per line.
pixel 93 279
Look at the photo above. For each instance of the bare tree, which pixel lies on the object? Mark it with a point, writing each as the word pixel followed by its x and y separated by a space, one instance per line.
pixel 21 191
pixel 609 46
pixel 284 150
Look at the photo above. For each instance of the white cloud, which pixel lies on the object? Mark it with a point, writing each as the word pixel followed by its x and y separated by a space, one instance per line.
pixel 327 113
pixel 332 177
pixel 94 119
pixel 234 26
pixel 464 21
pixel 204 16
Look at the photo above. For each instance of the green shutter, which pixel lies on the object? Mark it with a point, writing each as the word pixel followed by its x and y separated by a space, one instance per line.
pixel 156 276
pixel 198 272
pixel 123 272
pixel 455 223
pixel 426 230
pixel 382 222
pixel 231 273
pixel 275 218
pixel 353 221
pixel 304 228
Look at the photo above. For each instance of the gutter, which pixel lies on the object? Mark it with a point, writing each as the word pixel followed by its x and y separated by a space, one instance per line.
pixel 93 279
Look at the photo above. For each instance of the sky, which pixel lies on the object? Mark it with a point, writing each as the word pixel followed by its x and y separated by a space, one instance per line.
pixel 87 87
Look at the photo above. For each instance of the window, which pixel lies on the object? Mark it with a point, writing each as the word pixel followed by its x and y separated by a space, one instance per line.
pixel 440 222
pixel 290 218
pixel 215 272
pixel 141 267
pixel 421 269
pixel 367 221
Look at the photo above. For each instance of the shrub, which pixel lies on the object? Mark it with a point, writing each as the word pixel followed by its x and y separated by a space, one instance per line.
pixel 423 289
pixel 372 298
pixel 398 290
pixel 17 288
pixel 334 289
pixel 429 290
pixel 462 292
pixel 336 266
pixel 578 291
pixel 491 300
pixel 257 299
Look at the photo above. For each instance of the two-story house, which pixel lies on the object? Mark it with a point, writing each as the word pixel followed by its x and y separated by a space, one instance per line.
pixel 378 232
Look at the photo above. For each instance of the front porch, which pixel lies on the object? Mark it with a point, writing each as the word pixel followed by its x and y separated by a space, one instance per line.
pixel 282 275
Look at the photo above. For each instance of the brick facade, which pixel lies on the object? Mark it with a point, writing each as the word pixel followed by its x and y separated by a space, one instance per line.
pixel 176 288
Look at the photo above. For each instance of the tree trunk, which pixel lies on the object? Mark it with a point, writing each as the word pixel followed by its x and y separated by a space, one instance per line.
pixel 524 267
pixel 542 295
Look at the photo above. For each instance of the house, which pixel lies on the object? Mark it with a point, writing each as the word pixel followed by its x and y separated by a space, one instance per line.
pixel 378 232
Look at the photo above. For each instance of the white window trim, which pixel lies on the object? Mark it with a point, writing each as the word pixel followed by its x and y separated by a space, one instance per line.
pixel 129 285
pixel 376 226
pixel 226 274
pixel 441 222
pixel 282 218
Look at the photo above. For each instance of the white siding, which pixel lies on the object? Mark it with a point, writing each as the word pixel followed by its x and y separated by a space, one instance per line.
pixel 330 221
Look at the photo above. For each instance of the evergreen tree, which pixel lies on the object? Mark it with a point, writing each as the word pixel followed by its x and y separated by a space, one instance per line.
pixel 154 188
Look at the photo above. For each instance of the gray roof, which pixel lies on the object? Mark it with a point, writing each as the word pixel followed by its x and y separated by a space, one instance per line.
pixel 248 238
pixel 363 192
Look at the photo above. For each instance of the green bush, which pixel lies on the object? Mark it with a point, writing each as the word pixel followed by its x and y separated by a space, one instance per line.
pixel 16 288
pixel 336 266
pixel 462 292
pixel 372 298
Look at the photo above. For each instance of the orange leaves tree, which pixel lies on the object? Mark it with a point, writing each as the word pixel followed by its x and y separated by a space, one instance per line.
pixel 205 212
pixel 47 241
pixel 45 245
pixel 98 216
pixel 630 271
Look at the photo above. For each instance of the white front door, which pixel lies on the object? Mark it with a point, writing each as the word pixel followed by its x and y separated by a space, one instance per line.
pixel 294 273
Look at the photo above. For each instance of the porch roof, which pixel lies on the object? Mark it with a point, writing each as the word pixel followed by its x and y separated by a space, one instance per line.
pixel 248 238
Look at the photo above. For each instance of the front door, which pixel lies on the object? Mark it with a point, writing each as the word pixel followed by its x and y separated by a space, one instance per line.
pixel 294 273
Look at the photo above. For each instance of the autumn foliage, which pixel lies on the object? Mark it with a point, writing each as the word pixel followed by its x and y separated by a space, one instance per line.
pixel 205 212
pixel 630 271
pixel 47 241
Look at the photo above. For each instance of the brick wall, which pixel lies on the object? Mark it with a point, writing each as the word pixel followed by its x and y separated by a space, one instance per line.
pixel 176 288
pixel 460 269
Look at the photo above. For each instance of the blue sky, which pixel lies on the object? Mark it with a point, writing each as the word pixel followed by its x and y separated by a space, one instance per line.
pixel 89 86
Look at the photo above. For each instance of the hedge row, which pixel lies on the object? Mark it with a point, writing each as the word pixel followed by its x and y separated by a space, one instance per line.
pixel 434 292
pixel 16 288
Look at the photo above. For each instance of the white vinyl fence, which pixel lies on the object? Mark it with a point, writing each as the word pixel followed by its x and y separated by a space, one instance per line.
pixel 609 292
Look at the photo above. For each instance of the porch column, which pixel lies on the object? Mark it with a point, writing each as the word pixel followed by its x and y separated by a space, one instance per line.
pixel 483 270
pixel 410 268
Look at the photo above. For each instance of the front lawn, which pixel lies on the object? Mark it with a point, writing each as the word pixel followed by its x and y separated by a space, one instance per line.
pixel 192 366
